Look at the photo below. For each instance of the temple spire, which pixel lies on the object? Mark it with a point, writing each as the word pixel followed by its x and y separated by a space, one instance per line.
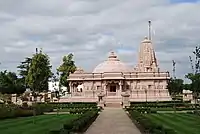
pixel 147 58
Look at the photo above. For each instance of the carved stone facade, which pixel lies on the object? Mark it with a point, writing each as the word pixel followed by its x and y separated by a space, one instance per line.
pixel 112 78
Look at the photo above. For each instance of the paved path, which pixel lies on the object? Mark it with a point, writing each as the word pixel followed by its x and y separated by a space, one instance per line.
pixel 113 121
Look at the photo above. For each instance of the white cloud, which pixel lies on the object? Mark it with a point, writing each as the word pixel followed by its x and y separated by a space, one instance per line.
pixel 90 29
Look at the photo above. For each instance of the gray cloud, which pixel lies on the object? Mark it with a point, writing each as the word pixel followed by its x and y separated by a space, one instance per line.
pixel 90 29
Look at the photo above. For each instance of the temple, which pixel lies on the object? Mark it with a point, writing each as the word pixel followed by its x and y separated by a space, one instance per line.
pixel 112 80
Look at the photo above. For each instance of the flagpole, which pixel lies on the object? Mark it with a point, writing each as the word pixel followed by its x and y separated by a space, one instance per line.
pixel 149 29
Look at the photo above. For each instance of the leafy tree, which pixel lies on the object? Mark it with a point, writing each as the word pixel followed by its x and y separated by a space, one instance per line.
pixel 39 72
pixel 10 83
pixel 23 69
pixel 175 86
pixel 195 84
pixel 68 66
pixel 195 75
pixel 187 87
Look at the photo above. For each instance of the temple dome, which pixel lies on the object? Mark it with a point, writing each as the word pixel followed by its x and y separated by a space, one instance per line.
pixel 112 64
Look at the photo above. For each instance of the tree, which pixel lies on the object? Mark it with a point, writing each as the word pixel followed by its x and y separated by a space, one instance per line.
pixel 175 86
pixel 39 72
pixel 68 66
pixel 10 83
pixel 23 69
pixel 194 85
pixel 194 77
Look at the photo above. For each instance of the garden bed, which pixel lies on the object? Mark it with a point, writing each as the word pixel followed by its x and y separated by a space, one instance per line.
pixel 147 125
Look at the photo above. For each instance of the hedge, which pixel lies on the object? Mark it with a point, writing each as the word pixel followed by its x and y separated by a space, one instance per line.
pixel 162 106
pixel 77 125
pixel 73 105
pixel 154 102
pixel 148 125
pixel 13 111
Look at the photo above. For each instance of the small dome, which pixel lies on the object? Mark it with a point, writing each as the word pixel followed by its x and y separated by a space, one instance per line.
pixel 79 71
pixel 112 64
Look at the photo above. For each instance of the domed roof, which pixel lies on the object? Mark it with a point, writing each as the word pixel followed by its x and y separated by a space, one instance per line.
pixel 112 64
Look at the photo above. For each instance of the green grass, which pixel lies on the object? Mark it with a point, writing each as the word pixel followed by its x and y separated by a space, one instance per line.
pixel 43 124
pixel 182 123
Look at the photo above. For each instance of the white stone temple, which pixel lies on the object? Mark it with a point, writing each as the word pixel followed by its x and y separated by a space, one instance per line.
pixel 113 78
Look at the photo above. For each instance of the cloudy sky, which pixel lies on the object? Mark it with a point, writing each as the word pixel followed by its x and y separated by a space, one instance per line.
pixel 92 28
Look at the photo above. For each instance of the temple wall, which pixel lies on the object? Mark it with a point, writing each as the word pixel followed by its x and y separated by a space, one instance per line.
pixel 92 88
pixel 89 89
pixel 139 89
pixel 149 89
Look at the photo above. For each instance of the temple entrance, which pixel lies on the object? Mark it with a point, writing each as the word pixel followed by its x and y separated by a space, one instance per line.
pixel 113 88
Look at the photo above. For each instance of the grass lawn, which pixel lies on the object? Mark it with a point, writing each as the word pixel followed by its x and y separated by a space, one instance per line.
pixel 182 123
pixel 43 124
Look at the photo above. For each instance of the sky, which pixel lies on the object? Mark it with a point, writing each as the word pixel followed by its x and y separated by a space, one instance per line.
pixel 90 29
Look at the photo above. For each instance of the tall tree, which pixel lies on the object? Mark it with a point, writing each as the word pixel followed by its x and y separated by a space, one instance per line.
pixel 68 66
pixel 23 69
pixel 195 75
pixel 175 86
pixel 39 72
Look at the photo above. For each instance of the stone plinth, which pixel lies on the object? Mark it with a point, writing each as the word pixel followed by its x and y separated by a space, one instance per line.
pixel 125 99
pixel 101 101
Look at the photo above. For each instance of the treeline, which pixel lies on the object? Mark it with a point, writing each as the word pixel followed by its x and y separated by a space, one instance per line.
pixel 176 86
pixel 35 73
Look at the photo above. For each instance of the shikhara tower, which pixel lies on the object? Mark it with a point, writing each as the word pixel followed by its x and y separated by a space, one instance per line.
pixel 147 61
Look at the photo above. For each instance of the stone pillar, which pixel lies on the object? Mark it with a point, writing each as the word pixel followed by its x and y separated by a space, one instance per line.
pixel 117 91
pixel 105 90
pixel 71 88
pixel 120 87
pixel 14 98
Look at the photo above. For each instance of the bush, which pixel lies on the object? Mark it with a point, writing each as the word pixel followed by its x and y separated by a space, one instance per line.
pixel 148 125
pixel 164 104
pixel 78 125
pixel 12 111
pixel 41 108
pixel 74 105
pixel 197 113
pixel 194 112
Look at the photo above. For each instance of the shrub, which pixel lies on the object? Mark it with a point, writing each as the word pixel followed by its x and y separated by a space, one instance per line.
pixel 148 125
pixel 12 111
pixel 74 105
pixel 197 112
pixel 84 121
pixel 77 125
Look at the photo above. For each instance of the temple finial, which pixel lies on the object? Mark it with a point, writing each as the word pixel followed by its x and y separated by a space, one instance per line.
pixel 145 38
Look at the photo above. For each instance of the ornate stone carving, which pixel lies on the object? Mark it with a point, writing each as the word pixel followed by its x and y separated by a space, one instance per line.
pixel 112 82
